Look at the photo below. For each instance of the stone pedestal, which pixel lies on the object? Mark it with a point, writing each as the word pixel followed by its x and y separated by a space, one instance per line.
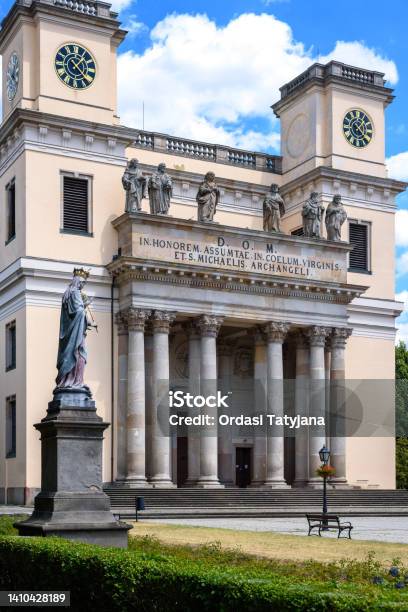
pixel 71 503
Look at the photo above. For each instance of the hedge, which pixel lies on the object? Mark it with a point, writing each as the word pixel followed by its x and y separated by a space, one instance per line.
pixel 109 579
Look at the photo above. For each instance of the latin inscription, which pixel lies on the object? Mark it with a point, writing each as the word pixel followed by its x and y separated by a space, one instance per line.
pixel 250 256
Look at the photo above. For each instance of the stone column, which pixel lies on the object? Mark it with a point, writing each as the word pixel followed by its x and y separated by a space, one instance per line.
pixel 327 366
pixel 317 408
pixel 209 326
pixel 260 393
pixel 121 323
pixel 193 433
pixel 302 409
pixel 225 432
pixel 136 407
pixel 276 333
pixel 337 405
pixel 160 446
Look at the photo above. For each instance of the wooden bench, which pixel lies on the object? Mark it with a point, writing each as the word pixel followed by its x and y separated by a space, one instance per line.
pixel 325 522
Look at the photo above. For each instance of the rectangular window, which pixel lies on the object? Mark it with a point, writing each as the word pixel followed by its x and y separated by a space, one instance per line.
pixel 297 232
pixel 11 427
pixel 76 200
pixel 11 210
pixel 11 346
pixel 359 238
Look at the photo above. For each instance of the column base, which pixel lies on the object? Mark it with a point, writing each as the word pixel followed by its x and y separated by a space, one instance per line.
pixel 299 484
pixel 135 483
pixel 275 484
pixel 315 483
pixel 162 483
pixel 189 483
pixel 209 483
pixel 338 483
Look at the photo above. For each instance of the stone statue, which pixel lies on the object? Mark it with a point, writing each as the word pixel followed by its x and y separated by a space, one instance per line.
pixel 312 214
pixel 160 191
pixel 75 321
pixel 207 198
pixel 335 217
pixel 134 183
pixel 273 210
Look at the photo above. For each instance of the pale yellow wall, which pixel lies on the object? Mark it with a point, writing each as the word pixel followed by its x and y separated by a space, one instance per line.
pixel 16 248
pixel 371 459
pixel 44 209
pixel 42 348
pixel 100 97
pixel 14 383
pixel 351 158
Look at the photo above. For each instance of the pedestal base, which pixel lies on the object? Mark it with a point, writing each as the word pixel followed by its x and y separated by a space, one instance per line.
pixel 71 503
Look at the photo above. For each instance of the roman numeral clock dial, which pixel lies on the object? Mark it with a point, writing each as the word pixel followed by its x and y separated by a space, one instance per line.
pixel 75 66
pixel 357 128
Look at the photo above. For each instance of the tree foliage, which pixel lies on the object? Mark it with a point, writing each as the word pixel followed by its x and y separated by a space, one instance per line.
pixel 401 414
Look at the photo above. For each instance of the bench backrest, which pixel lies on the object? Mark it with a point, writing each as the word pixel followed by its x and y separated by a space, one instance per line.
pixel 330 518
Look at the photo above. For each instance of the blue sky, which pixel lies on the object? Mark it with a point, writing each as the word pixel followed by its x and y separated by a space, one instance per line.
pixel 210 70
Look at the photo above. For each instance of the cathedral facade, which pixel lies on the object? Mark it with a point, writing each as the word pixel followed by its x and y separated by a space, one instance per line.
pixel 212 271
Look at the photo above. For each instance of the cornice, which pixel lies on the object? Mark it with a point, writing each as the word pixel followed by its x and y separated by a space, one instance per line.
pixel 127 269
pixel 324 172
pixel 21 116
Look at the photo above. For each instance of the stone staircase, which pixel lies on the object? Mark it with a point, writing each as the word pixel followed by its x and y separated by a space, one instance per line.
pixel 251 502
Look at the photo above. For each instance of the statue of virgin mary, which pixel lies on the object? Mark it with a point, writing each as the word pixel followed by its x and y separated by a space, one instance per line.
pixel 74 324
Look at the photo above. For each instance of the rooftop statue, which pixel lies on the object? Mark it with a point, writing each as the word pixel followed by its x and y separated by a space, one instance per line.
pixel 335 217
pixel 312 214
pixel 273 210
pixel 134 183
pixel 160 191
pixel 207 198
pixel 76 319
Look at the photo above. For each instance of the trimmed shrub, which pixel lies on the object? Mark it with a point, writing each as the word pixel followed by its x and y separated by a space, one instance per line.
pixel 110 579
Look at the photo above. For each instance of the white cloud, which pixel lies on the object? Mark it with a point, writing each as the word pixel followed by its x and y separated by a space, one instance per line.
pixel 402 264
pixel 398 166
pixel 204 82
pixel 357 54
pixel 401 227
pixel 133 26
pixel 120 5
pixel 215 84
pixel 269 2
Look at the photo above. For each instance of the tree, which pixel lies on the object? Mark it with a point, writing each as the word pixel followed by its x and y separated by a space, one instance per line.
pixel 401 414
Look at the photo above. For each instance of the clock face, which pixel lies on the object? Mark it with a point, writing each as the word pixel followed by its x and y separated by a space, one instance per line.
pixel 75 66
pixel 358 128
pixel 13 76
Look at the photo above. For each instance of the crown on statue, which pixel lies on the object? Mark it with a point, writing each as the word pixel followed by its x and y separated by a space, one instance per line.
pixel 81 272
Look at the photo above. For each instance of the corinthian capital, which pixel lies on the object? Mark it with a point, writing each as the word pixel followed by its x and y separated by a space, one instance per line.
pixel 317 335
pixel 209 325
pixel 161 321
pixel 121 322
pixel 339 336
pixel 136 318
pixel 276 330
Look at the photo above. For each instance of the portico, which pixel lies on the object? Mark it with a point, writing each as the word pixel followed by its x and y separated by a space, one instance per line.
pixel 258 336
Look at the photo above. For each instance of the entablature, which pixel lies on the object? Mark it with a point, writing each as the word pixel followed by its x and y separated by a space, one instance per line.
pixel 194 254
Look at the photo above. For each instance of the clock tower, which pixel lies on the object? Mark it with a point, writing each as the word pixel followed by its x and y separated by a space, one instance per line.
pixel 333 115
pixel 59 57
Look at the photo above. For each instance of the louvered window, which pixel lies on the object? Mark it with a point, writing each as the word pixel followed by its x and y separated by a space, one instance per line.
pixel 358 236
pixel 11 426
pixel 75 204
pixel 11 210
pixel 297 232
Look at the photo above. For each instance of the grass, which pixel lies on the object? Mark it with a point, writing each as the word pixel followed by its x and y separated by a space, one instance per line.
pixel 276 546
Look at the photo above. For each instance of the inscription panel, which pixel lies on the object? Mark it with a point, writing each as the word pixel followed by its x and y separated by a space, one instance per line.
pixel 241 252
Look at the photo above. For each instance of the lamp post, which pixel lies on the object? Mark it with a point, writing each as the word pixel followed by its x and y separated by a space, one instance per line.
pixel 324 455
